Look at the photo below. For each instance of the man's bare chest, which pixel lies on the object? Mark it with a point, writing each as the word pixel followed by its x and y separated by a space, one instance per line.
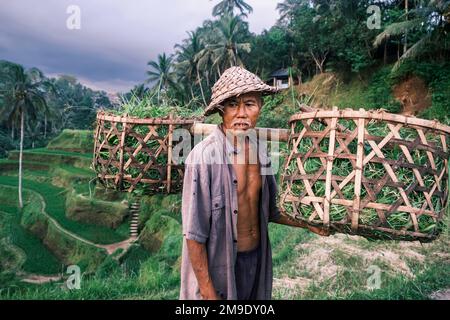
pixel 248 179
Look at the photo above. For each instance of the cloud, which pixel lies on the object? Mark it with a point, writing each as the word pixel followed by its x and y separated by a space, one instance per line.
pixel 116 40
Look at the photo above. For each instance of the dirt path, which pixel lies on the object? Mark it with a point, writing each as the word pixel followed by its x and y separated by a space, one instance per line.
pixel 322 262
pixel 40 279
pixel 110 248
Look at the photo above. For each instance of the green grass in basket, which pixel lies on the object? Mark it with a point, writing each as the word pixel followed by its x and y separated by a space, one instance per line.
pixel 373 171
pixel 145 108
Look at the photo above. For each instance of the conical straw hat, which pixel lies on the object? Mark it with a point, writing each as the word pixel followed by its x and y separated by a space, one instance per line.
pixel 236 81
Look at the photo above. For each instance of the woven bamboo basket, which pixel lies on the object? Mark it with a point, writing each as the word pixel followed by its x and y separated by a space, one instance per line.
pixel 136 154
pixel 368 173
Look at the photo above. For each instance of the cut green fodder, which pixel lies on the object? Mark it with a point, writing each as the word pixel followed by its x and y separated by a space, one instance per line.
pixel 145 108
pixel 309 169
pixel 154 154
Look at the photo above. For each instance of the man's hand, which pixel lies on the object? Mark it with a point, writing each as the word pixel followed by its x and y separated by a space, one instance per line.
pixel 319 231
pixel 199 262
pixel 209 294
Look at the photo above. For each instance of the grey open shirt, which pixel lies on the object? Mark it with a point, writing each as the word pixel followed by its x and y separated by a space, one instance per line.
pixel 209 213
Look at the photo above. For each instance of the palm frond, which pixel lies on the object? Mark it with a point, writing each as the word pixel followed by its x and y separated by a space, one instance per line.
pixel 413 52
pixel 395 29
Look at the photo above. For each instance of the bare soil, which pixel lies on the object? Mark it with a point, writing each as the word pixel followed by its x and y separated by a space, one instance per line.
pixel 413 94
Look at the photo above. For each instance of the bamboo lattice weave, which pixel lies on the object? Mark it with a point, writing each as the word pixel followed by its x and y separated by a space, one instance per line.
pixel 368 173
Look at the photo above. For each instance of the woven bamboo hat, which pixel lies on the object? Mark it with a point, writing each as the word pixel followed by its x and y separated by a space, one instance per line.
pixel 236 81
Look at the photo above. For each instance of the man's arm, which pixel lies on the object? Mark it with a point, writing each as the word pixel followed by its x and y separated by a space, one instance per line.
pixel 280 217
pixel 199 262
pixel 196 215
pixel 288 221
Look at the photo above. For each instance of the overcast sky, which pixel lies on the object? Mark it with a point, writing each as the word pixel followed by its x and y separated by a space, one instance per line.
pixel 116 40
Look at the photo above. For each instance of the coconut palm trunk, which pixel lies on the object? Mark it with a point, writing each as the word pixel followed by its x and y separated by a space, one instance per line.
pixel 207 80
pixel 45 126
pixel 159 90
pixel 201 87
pixel 405 46
pixel 22 116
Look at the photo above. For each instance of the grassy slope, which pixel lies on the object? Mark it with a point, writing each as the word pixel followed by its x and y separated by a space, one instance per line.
pixel 54 172
pixel 81 141
pixel 38 258
pixel 59 152
pixel 339 267
pixel 55 201
pixel 299 273
pixel 141 275
pixel 305 266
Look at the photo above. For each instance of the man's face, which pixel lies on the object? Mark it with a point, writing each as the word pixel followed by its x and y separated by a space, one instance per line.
pixel 241 113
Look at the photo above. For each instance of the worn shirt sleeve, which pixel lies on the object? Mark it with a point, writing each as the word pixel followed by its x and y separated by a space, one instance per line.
pixel 196 211
pixel 274 212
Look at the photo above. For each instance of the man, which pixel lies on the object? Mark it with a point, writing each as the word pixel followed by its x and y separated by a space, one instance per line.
pixel 229 197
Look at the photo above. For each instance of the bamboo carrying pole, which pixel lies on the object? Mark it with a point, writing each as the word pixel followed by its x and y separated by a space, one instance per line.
pixel 269 134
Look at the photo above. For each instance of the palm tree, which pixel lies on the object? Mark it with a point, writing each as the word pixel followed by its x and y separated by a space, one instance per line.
pixel 227 49
pixel 205 61
pixel 33 131
pixel 226 7
pixel 205 57
pixel 288 8
pixel 187 63
pixel 428 17
pixel 22 95
pixel 162 73
pixel 53 113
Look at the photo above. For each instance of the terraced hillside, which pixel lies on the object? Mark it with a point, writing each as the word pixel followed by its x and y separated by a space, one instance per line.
pixel 68 219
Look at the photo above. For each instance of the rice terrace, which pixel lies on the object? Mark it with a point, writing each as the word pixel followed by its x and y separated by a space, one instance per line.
pixel 357 126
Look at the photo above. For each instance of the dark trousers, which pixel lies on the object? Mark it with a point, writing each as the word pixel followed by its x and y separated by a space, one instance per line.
pixel 247 273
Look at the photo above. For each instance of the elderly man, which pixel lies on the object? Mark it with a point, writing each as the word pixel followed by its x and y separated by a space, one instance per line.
pixel 229 197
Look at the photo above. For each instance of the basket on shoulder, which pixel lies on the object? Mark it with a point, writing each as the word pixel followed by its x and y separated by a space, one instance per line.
pixel 368 173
